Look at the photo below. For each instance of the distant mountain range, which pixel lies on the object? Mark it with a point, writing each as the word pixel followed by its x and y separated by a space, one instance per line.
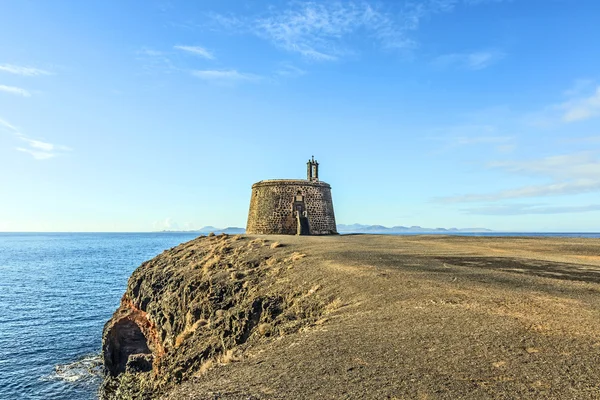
pixel 358 228
pixel 354 228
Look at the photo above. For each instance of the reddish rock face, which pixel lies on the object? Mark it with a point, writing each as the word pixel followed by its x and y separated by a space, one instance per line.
pixel 125 344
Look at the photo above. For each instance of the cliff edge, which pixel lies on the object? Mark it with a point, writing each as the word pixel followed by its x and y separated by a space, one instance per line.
pixel 359 316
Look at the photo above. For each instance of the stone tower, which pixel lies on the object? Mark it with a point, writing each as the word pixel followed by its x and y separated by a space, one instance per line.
pixel 292 206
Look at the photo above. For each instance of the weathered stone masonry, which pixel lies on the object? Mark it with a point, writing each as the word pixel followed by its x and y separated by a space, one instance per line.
pixel 275 205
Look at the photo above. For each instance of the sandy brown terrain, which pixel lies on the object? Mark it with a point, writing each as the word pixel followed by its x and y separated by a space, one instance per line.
pixel 433 317
pixel 424 317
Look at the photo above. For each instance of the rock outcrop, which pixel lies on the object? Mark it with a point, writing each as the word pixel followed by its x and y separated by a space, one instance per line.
pixel 199 304
pixel 359 317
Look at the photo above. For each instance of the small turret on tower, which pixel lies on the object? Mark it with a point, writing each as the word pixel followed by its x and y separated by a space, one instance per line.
pixel 312 170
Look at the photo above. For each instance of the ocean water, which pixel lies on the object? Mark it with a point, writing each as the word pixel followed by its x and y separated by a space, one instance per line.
pixel 56 292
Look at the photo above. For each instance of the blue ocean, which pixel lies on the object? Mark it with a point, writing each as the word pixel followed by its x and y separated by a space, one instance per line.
pixel 56 292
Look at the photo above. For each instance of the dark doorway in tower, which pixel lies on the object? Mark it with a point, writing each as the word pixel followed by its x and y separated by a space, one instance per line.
pixel 301 215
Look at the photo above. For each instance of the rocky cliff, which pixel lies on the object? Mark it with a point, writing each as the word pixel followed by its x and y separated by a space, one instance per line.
pixel 198 305
pixel 360 316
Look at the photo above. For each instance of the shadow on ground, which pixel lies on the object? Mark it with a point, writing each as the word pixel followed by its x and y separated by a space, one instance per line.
pixel 547 269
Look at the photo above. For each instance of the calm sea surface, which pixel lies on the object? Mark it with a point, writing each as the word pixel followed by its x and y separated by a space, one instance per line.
pixel 56 292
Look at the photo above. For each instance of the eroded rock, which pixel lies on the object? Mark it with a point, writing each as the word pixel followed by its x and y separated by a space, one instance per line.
pixel 190 306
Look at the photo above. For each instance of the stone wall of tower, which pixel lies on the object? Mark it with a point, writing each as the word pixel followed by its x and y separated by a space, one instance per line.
pixel 271 209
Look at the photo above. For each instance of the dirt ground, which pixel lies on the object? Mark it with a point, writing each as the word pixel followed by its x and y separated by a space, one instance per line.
pixel 430 317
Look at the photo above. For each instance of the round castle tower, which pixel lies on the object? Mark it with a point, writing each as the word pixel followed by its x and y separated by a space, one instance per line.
pixel 292 206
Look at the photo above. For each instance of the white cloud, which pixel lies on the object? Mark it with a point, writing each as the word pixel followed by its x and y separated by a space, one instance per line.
pixel 475 134
pixel 321 31
pixel 566 166
pixel 552 189
pixel 580 86
pixel 582 103
pixel 467 140
pixel 568 174
pixel 225 76
pixel 36 148
pixel 24 71
pixel 290 70
pixel 14 90
pixel 8 126
pixel 317 30
pixel 42 150
pixel 155 61
pixel 578 109
pixel 38 155
pixel 150 52
pixel 166 224
pixel 472 61
pixel 524 209
pixel 196 50
pixel 44 146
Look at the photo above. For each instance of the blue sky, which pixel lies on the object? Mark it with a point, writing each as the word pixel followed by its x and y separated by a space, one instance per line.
pixel 145 115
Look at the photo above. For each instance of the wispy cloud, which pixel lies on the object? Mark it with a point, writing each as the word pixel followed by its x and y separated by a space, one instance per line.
pixel 225 76
pixel 475 134
pixel 524 209
pixel 552 189
pixel 585 139
pixel 196 50
pixel 24 71
pixel 156 61
pixel 321 31
pixel 473 61
pixel 579 109
pixel 44 146
pixel 38 155
pixel 166 224
pixel 8 126
pixel 567 174
pixel 42 150
pixel 582 103
pixel 38 149
pixel 289 70
pixel 468 140
pixel 318 30
pixel 150 52
pixel 15 90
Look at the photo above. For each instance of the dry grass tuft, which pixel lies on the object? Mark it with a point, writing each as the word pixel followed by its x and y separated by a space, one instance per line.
pixel 297 256
pixel 256 242
pixel 211 262
pixel 189 331
pixel 271 261
pixel 228 357
pixel 204 368
pixel 313 290
pixel 264 329
pixel 334 305
pixel 182 337
pixel 275 245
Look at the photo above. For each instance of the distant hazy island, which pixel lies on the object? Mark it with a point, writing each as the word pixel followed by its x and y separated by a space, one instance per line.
pixel 353 228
